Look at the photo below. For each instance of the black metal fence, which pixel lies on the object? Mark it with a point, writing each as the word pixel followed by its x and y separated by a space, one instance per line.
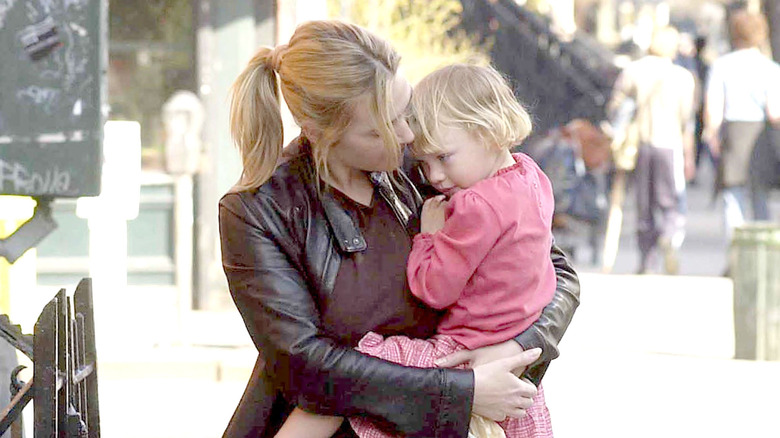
pixel 64 387
pixel 557 80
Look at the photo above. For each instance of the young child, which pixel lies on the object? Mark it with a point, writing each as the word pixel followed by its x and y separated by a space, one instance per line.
pixel 483 250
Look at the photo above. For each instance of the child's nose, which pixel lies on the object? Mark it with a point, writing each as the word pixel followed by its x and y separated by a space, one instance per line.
pixel 435 175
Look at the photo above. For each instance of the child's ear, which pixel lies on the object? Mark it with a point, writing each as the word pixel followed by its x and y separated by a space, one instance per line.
pixel 311 131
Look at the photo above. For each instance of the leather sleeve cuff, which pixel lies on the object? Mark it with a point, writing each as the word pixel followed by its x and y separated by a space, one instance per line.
pixel 533 338
pixel 536 372
pixel 454 413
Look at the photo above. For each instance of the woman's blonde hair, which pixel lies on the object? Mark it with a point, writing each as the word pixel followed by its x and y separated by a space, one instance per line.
pixel 747 29
pixel 474 98
pixel 324 69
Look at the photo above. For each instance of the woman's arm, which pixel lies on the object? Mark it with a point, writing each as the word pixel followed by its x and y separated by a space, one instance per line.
pixel 302 424
pixel 773 98
pixel 548 330
pixel 714 104
pixel 314 372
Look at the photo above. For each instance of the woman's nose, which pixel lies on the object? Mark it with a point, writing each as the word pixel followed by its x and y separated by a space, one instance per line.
pixel 404 132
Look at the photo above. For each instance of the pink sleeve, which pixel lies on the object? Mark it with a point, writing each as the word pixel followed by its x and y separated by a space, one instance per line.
pixel 441 264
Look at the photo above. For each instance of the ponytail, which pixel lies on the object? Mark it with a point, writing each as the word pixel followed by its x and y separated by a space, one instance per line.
pixel 321 72
pixel 256 119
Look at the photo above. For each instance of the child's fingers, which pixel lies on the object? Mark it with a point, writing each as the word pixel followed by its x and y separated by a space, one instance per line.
pixel 435 203
pixel 522 360
pixel 435 200
pixel 454 359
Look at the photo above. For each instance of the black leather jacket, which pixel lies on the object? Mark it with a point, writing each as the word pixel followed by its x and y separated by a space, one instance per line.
pixel 281 250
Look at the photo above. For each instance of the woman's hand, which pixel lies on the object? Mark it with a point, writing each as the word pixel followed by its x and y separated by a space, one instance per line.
pixel 498 393
pixel 714 144
pixel 482 355
pixel 711 137
pixel 432 216
pixel 690 168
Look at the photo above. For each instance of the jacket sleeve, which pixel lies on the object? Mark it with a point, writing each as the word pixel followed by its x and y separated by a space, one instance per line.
pixel 314 372
pixel 548 330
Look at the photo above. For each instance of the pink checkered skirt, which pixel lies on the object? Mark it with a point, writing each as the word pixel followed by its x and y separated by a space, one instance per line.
pixel 421 353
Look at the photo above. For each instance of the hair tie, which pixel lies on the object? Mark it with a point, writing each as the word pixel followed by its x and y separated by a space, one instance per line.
pixel 274 60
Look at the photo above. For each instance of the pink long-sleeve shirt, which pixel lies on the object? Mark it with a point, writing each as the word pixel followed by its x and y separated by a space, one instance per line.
pixel 490 265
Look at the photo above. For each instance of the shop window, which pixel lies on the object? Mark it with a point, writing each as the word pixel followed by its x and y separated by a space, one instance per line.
pixel 151 56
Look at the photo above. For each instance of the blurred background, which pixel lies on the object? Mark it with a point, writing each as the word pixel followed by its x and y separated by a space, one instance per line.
pixel 650 355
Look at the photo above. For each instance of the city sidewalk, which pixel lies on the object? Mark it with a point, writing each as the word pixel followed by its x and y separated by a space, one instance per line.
pixel 644 356
pixel 650 356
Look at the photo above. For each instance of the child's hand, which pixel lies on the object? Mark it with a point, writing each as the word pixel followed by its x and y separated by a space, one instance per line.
pixel 432 217
pixel 482 355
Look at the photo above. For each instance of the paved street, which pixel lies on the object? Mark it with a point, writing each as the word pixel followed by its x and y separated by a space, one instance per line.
pixel 641 395
pixel 650 357
pixel 704 251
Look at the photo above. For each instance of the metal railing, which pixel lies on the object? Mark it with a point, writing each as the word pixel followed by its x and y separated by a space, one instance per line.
pixel 64 385
pixel 558 79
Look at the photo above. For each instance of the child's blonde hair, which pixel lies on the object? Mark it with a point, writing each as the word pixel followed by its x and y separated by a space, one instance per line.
pixel 473 98
pixel 326 67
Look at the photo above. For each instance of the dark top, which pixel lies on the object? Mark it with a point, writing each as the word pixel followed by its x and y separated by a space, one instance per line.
pixel 361 302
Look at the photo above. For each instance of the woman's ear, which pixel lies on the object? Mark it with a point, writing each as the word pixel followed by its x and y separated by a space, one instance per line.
pixel 311 131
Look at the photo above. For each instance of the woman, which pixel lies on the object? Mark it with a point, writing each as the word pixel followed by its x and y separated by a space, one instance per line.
pixel 743 94
pixel 315 250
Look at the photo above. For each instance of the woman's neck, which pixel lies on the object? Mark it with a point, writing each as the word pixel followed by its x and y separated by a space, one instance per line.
pixel 353 183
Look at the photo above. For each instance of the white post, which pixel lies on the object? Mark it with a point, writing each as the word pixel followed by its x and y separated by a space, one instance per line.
pixel 183 211
pixel 107 216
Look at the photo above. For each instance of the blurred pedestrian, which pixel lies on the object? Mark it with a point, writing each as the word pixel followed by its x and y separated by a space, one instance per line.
pixel 702 73
pixel 686 53
pixel 743 93
pixel 576 158
pixel 663 94
pixel 690 55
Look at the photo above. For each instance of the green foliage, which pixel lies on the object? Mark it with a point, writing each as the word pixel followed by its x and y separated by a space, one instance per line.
pixel 151 20
pixel 427 34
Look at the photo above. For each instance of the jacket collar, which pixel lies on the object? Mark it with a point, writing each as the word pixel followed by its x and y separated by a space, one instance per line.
pixel 344 226
pixel 345 231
